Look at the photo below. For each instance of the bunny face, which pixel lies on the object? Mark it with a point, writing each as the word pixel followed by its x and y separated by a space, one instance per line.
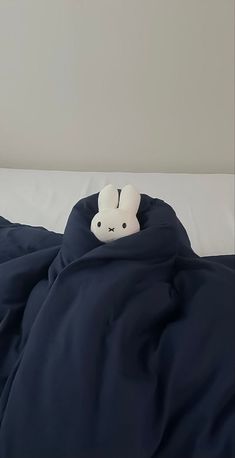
pixel 109 225
pixel 113 222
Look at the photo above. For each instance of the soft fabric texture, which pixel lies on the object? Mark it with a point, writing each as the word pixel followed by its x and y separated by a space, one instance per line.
pixel 118 350
pixel 116 217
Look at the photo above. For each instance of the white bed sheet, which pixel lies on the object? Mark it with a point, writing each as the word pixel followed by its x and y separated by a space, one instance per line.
pixel 203 203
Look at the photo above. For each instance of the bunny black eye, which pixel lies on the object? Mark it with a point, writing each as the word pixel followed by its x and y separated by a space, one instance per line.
pixel 124 225
pixel 99 224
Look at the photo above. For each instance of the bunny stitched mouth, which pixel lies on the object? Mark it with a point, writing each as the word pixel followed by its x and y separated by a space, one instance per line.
pixel 111 229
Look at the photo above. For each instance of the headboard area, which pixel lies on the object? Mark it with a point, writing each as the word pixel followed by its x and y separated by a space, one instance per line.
pixel 127 85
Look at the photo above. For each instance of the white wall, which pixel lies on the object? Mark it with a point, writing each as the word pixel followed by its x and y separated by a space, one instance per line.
pixel 141 85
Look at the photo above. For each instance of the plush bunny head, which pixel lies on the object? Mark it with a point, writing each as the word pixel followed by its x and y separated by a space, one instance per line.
pixel 112 221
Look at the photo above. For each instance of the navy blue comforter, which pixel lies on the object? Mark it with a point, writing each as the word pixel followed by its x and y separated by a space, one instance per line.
pixel 119 350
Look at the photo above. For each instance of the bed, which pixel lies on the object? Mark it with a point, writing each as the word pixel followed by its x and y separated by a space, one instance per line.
pixel 121 349
pixel 204 203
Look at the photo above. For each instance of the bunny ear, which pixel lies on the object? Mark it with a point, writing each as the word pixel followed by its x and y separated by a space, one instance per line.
pixel 129 199
pixel 108 198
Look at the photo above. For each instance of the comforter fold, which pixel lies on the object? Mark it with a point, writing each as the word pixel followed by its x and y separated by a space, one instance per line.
pixel 118 350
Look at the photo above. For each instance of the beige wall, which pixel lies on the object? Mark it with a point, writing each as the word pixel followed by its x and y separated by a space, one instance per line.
pixel 141 85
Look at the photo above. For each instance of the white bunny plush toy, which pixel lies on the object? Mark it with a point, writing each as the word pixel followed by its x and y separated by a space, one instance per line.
pixel 114 221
